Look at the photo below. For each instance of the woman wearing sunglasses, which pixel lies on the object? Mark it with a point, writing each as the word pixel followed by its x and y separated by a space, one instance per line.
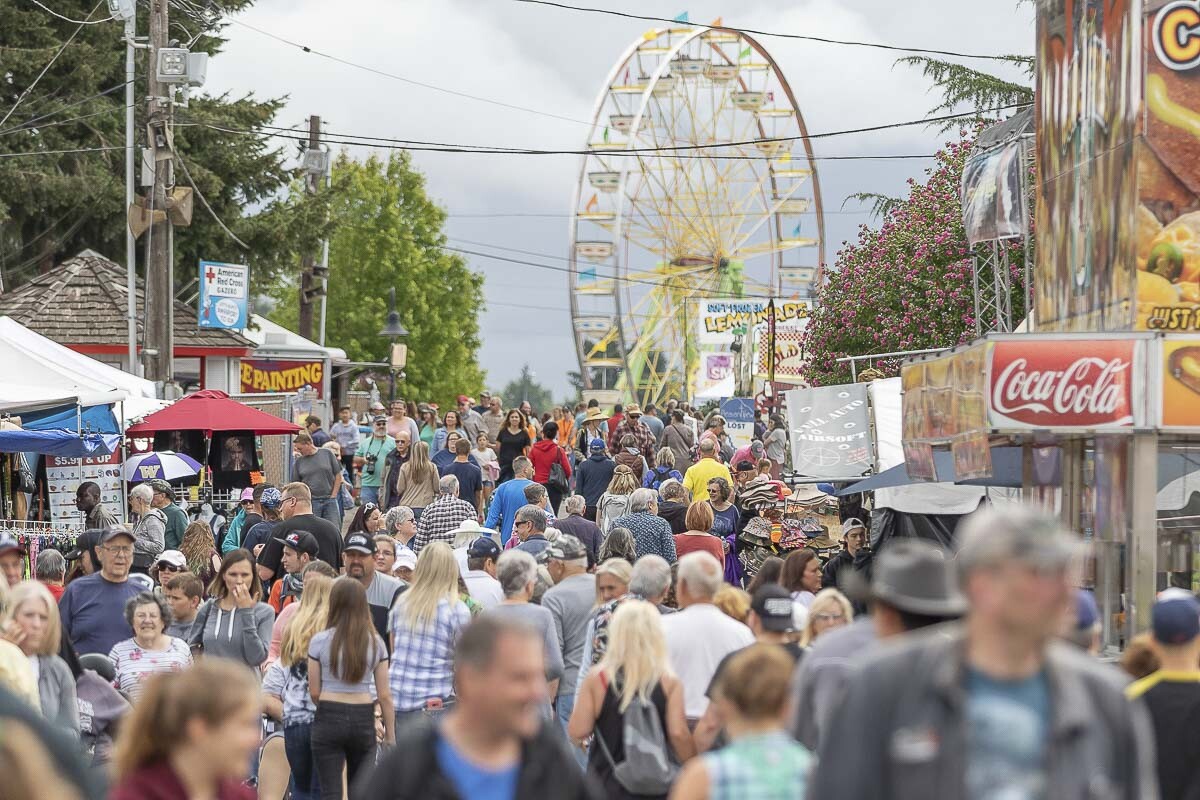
pixel 368 519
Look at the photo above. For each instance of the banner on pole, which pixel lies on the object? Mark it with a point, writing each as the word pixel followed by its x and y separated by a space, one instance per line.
pixel 224 295
pixel 830 431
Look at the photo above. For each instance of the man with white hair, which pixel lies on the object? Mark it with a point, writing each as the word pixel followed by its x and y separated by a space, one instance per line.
pixel 442 516
pixel 574 523
pixel 700 634
pixel 995 706
pixel 651 533
pixel 570 602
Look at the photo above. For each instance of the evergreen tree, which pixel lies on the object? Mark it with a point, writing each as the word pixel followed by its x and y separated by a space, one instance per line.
pixel 526 387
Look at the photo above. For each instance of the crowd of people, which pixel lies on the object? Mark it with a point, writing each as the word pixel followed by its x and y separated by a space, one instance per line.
pixel 556 611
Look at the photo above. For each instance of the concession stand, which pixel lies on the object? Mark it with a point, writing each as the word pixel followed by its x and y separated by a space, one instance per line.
pixel 1102 394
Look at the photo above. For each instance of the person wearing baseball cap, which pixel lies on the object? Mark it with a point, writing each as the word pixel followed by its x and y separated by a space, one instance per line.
pixel 359 557
pixel 1171 693
pixel 570 602
pixel 853 557
pixel 300 548
pixel 84 552
pixel 12 559
pixel 370 458
pixel 593 476
pixel 1019 713
pixel 93 607
pixel 482 555
pixel 177 519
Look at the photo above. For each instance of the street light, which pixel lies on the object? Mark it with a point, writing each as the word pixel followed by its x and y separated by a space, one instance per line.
pixel 394 330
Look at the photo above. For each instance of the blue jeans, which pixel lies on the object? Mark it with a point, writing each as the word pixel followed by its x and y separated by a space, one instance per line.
pixel 369 494
pixel 327 508
pixel 565 705
pixel 297 743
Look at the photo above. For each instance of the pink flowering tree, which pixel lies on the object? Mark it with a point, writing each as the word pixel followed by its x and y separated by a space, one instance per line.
pixel 905 286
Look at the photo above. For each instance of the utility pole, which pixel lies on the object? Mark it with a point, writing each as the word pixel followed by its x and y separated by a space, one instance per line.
pixel 310 286
pixel 160 278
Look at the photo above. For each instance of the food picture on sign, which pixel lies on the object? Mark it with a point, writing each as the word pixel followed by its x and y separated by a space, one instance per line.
pixel 938 397
pixel 918 461
pixel 970 390
pixel 1181 382
pixel 912 379
pixel 972 456
pixel 1168 214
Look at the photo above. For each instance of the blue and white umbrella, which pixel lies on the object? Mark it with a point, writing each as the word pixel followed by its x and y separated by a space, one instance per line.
pixel 165 464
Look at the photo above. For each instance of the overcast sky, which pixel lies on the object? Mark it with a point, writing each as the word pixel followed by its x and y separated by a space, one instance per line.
pixel 555 61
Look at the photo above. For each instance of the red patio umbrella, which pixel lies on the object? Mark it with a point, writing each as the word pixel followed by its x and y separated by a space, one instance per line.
pixel 211 410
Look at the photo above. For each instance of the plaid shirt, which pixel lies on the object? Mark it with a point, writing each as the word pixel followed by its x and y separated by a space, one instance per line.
pixel 440 517
pixel 651 534
pixel 422 665
pixel 640 432
pixel 764 766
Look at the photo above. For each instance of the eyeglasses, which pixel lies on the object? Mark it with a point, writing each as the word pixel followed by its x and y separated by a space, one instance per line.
pixel 828 617
pixel 119 550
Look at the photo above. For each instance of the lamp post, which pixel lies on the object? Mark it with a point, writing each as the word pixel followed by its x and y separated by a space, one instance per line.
pixel 394 330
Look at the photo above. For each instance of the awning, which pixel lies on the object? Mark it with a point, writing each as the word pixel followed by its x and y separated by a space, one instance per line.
pixel 67 444
pixel 95 419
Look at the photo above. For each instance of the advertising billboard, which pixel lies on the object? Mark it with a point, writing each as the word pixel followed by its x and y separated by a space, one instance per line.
pixel 830 431
pixel 224 295
pixel 1089 70
pixel 264 375
pixel 730 330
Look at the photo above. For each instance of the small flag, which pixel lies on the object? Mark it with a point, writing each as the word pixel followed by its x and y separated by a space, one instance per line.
pixel 771 97
pixel 717 23
pixel 592 204
pixel 587 275
pixel 745 53
pixel 606 135
pixel 650 35
pixel 682 17
pixel 796 231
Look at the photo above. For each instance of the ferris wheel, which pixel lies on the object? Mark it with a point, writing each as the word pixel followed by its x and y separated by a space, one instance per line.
pixel 698 183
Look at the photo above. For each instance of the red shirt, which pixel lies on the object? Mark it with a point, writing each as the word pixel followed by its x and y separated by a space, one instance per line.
pixel 690 543
pixel 56 590
pixel 159 782
pixel 614 421
pixel 543 455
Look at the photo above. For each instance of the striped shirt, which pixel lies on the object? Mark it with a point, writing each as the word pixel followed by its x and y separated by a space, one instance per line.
pixel 134 665
pixel 422 666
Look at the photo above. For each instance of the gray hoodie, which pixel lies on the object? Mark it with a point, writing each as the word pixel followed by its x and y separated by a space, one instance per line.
pixel 241 634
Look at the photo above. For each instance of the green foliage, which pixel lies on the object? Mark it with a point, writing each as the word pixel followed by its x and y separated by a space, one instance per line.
pixel 526 387
pixel 881 204
pixel 53 206
pixel 961 86
pixel 387 232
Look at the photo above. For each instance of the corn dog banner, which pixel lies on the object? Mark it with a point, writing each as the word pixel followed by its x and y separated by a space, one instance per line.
pixel 1179 374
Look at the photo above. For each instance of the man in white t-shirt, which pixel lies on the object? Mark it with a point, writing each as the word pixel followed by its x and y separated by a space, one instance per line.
pixel 700 635
pixel 480 576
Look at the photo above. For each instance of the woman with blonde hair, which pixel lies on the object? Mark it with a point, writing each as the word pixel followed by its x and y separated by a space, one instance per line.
pixel 16 670
pixel 663 472
pixel 612 579
pixel 762 759
pixel 417 483
pixel 425 624
pixel 633 669
pixel 614 502
pixel 309 619
pixel 192 734
pixel 829 609
pixel 33 618
pixel 733 602
pixel 198 547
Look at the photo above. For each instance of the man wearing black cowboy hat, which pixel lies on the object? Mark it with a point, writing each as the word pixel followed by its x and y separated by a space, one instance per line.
pixel 915 585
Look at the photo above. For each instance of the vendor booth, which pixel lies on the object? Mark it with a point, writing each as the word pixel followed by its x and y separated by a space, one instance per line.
pixel 285 363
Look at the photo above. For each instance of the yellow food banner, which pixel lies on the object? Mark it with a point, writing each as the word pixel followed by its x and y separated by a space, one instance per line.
pixel 1181 382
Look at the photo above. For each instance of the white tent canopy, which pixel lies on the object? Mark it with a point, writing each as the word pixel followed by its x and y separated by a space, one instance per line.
pixel 46 374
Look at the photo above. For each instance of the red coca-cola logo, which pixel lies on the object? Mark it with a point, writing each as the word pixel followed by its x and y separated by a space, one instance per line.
pixel 1062 384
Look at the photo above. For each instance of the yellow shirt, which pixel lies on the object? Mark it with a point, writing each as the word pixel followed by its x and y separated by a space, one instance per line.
pixel 699 474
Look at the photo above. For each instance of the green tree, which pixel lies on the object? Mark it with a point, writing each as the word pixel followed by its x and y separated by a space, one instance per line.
pixel 386 232
pixel 54 204
pixel 526 387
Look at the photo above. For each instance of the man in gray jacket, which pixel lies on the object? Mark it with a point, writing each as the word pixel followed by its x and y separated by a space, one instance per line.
pixel 994 706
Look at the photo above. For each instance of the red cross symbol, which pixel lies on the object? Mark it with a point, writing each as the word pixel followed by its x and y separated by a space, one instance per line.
pixel 209 274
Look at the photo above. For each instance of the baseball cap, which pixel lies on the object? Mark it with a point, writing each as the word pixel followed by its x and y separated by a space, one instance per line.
pixel 377 405
pixel 360 543
pixel 405 558
pixel 271 498
pixel 596 445
pixel 247 495
pixel 567 548
pixel 462 398
pixel 172 557
pixel 1175 620
pixel 8 542
pixel 744 466
pixel 159 486
pixel 483 547
pixel 116 530
pixel 86 541
pixel 378 418
pixel 773 605
pixel 852 523
pixel 301 542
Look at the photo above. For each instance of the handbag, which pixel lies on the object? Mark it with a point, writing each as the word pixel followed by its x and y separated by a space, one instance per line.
pixel 558 476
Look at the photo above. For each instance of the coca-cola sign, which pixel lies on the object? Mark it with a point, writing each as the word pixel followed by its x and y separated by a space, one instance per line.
pixel 1063 383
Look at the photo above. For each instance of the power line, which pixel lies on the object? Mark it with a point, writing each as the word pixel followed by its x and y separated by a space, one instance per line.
pixel 47 115
pixel 209 208
pixel 383 73
pixel 49 64
pixel 553 215
pixel 54 13
pixel 403 144
pixel 62 152
pixel 776 34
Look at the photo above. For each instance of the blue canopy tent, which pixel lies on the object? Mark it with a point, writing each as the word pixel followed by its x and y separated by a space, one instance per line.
pixel 64 443
pixel 93 419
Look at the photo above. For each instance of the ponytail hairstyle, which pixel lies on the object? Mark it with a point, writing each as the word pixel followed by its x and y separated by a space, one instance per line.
pixel 211 690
